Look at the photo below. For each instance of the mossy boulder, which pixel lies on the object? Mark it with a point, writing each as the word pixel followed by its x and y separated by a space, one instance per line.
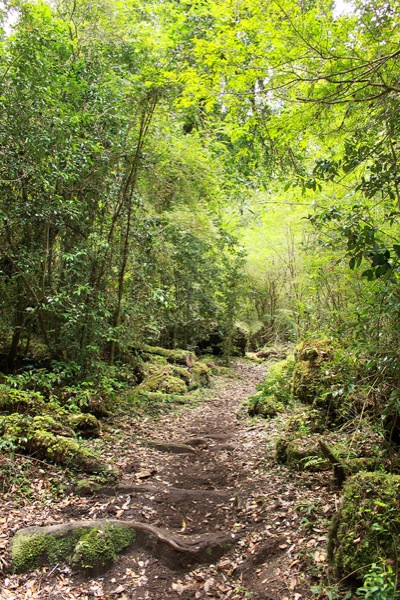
pixel 200 375
pixel 48 439
pixel 19 401
pixel 91 549
pixel 367 528
pixel 274 393
pixel 301 453
pixel 85 425
pixel 307 420
pixel 262 406
pixel 308 377
pixel 165 378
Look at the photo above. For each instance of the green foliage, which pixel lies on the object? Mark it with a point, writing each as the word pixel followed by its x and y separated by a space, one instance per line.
pixel 274 393
pixel 379 583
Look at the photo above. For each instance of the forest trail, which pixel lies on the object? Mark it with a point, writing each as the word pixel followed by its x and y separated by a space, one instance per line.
pixel 206 470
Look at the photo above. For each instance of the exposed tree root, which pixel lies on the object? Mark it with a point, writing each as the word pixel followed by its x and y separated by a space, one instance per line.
pixel 206 547
pixel 127 488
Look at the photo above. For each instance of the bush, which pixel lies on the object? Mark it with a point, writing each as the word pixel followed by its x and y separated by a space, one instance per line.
pixel 275 391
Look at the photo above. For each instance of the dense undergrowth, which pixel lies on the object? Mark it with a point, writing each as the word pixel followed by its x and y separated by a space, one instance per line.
pixel 55 416
pixel 341 417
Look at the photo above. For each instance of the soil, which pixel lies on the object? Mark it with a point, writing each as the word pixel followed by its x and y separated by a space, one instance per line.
pixel 208 469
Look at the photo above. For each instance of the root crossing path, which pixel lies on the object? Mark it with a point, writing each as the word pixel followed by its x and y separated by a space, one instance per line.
pixel 209 474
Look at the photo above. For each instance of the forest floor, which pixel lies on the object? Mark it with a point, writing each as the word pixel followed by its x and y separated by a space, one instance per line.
pixel 276 518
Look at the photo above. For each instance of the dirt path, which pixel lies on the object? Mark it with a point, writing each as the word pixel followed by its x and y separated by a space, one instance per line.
pixel 207 469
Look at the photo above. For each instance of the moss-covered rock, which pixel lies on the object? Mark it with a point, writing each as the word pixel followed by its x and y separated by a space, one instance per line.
pixel 47 423
pixel 19 401
pixel 167 379
pixel 97 549
pixel 308 382
pixel 85 424
pixel 47 439
pixel 200 375
pixel 307 420
pixel 367 529
pixel 88 548
pixel 264 406
pixel 274 393
pixel 301 453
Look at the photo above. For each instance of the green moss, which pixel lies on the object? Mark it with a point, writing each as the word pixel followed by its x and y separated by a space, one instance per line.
pixel 281 450
pixel 87 487
pixel 47 423
pixel 86 548
pixel 308 382
pixel 28 551
pixel 367 530
pixel 98 548
pixel 18 401
pixel 163 379
pixel 359 464
pixel 266 407
pixel 174 356
pixel 200 375
pixel 86 425
pixel 307 420
pixel 275 391
pixel 65 451
pixel 303 453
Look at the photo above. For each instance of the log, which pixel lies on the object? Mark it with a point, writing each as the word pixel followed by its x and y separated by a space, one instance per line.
pixel 179 357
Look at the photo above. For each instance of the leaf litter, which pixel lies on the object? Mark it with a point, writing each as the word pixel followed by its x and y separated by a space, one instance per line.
pixel 271 512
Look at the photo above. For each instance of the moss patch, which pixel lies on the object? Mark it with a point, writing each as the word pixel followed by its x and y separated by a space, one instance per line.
pixel 367 530
pixel 310 356
pixel 18 401
pixel 301 453
pixel 275 391
pixel 97 549
pixel 47 439
pixel 88 549
pixel 86 425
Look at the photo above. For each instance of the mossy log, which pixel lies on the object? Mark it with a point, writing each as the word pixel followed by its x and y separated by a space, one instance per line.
pixel 179 357
pixel 84 542
pixel 20 401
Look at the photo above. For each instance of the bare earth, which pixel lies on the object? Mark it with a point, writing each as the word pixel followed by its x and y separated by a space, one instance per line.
pixel 208 469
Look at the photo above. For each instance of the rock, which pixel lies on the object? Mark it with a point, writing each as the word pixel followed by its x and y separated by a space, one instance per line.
pixel 367 528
